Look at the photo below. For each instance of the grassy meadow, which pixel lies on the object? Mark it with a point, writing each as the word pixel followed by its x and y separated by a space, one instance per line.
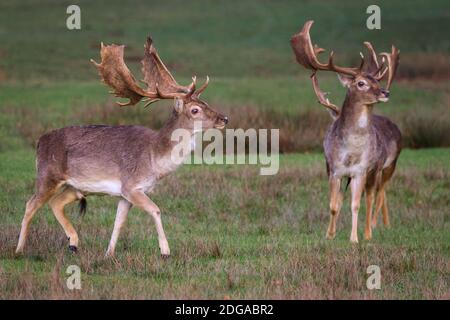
pixel 233 233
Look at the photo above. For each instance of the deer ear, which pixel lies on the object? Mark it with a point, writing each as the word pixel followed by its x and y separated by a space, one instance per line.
pixel 345 80
pixel 179 104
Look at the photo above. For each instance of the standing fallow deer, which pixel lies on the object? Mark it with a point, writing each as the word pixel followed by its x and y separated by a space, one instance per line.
pixel 122 161
pixel 359 145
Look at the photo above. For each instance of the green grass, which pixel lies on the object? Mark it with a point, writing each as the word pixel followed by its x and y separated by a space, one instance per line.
pixel 226 39
pixel 233 233
pixel 236 234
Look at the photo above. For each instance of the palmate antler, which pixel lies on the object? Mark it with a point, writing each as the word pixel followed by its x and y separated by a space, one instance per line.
pixel 306 55
pixel 160 82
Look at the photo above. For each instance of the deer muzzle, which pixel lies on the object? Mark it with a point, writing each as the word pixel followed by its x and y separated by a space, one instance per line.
pixel 384 95
pixel 221 121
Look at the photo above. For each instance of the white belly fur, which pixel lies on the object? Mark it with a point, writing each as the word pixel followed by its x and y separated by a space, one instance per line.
pixel 111 187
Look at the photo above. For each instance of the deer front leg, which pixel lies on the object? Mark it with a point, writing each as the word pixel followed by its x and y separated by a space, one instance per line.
pixel 140 200
pixel 335 205
pixel 123 208
pixel 357 187
pixel 381 204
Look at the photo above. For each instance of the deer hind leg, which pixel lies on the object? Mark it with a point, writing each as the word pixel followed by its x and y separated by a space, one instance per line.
pixel 386 221
pixel 335 206
pixel 32 207
pixel 140 200
pixel 44 193
pixel 123 208
pixel 357 187
pixel 381 201
pixel 381 204
pixel 370 197
pixel 57 203
pixel 378 205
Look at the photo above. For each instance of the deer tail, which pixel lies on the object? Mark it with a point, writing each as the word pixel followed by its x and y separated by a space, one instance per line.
pixel 82 206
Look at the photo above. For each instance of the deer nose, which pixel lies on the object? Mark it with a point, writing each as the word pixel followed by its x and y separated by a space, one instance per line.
pixel 224 119
pixel 385 92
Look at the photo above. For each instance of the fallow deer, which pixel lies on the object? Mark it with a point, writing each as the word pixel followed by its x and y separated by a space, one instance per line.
pixel 122 161
pixel 359 145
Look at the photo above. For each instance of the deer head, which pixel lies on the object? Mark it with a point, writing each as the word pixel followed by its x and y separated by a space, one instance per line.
pixel 160 85
pixel 363 82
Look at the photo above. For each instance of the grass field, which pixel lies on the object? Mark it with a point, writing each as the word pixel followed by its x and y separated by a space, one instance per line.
pixel 236 234
pixel 233 234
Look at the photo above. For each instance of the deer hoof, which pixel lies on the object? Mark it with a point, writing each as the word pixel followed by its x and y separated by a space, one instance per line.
pixel 109 254
pixel 73 249
pixel 331 236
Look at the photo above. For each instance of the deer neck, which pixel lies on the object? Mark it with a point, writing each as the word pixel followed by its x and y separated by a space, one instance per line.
pixel 165 141
pixel 169 150
pixel 356 116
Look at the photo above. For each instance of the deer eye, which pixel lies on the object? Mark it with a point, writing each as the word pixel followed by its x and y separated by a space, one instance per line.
pixel 194 110
pixel 361 84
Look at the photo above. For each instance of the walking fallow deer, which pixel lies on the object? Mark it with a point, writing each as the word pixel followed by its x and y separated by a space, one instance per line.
pixel 359 145
pixel 122 161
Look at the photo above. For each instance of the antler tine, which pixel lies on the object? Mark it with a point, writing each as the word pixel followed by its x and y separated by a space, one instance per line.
pixel 323 100
pixel 392 60
pixel 389 63
pixel 171 95
pixel 149 101
pixel 380 74
pixel 343 70
pixel 202 88
pixel 371 65
pixel 306 53
pixel 192 86
pixel 361 64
